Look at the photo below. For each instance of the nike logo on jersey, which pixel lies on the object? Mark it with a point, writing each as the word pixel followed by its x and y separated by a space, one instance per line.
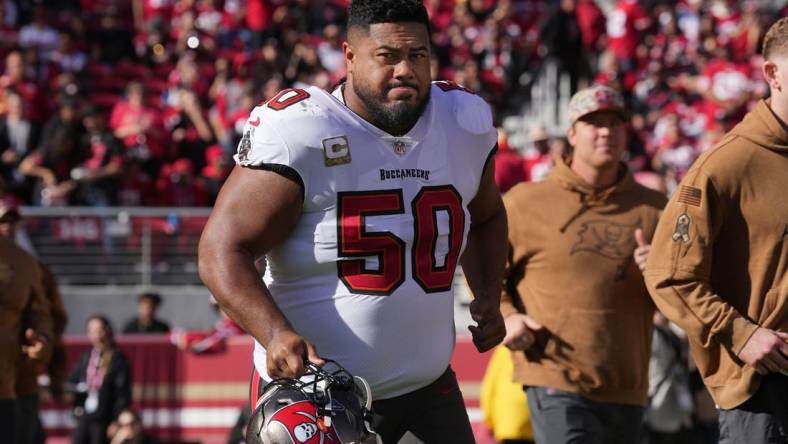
pixel 255 122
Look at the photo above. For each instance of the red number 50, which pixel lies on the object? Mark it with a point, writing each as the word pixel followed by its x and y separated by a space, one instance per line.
pixel 356 241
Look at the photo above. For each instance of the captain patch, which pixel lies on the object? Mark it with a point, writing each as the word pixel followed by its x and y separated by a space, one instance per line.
pixel 682 229
pixel 336 151
pixel 690 195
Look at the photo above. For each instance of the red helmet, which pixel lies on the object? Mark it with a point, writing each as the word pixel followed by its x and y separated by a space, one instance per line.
pixel 326 406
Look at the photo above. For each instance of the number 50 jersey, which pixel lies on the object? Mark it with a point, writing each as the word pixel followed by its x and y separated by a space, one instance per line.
pixel 366 274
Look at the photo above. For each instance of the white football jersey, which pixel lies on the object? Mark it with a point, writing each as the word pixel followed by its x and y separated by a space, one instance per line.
pixel 367 272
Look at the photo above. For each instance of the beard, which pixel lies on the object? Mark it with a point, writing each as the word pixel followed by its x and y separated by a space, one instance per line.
pixel 395 118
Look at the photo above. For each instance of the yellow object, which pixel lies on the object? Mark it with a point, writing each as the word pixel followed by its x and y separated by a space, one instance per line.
pixel 503 402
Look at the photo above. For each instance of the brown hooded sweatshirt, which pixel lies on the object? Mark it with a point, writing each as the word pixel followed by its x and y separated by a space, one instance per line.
pixel 570 267
pixel 22 305
pixel 718 262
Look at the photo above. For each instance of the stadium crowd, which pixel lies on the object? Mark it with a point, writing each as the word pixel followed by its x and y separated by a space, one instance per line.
pixel 140 102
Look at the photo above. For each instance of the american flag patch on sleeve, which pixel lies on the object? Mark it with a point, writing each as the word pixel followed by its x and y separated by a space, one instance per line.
pixel 690 195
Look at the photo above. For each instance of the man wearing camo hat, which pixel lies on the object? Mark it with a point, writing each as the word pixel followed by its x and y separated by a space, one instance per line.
pixel 578 316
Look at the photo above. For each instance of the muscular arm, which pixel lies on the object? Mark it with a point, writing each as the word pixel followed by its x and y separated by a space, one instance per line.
pixel 254 211
pixel 484 259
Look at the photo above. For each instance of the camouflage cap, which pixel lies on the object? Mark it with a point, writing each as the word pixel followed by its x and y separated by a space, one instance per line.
pixel 596 98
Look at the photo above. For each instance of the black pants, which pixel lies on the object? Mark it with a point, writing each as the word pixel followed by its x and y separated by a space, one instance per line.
pixel 561 417
pixel 29 428
pixel 8 411
pixel 434 414
pixel 762 419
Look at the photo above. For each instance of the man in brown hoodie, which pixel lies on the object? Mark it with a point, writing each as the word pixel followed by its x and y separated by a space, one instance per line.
pixel 25 324
pixel 29 428
pixel 719 259
pixel 577 312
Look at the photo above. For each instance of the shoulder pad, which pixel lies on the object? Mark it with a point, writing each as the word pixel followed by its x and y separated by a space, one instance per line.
pixel 472 112
pixel 291 102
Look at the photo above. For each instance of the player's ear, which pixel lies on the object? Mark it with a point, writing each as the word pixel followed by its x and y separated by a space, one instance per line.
pixel 350 55
pixel 770 71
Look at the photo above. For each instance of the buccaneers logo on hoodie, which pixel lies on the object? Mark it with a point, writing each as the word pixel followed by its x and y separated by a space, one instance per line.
pixel 608 239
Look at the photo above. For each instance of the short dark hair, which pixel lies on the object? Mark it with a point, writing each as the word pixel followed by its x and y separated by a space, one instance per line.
pixel 155 298
pixel 363 13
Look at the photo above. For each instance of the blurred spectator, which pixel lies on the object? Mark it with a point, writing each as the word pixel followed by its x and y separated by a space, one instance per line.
pixel 57 154
pixel 17 138
pixel 270 63
pixel 210 341
pixel 625 25
pixel 189 129
pixel 146 322
pixel 591 21
pixel 330 49
pixel 216 170
pixel 15 77
pixel 135 187
pixel 140 127
pixel 109 42
pixel 539 160
pixel 101 382
pixel 177 186
pixel 101 162
pixel 39 34
pixel 561 35
pixel 66 56
pixel 127 429
pixel 509 167
pixel 9 31
pixel 227 93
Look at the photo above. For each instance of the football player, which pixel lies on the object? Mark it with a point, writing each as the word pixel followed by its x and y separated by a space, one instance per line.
pixel 364 201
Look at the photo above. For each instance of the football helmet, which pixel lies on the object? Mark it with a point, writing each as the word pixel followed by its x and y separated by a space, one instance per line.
pixel 325 406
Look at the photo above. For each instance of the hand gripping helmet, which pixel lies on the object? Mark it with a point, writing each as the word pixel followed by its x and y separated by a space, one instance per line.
pixel 326 406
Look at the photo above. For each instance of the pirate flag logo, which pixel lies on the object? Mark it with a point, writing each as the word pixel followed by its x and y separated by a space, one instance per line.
pixel 244 146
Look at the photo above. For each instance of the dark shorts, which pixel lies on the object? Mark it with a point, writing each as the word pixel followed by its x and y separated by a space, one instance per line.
pixel 562 417
pixel 434 414
pixel 762 419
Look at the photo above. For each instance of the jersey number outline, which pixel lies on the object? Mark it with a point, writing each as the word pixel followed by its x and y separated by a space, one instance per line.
pixel 287 97
pixel 354 241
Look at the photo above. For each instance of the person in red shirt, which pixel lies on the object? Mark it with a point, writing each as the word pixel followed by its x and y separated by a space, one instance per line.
pixel 592 23
pixel 509 167
pixel 210 341
pixel 139 127
pixel 215 171
pixel 624 27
